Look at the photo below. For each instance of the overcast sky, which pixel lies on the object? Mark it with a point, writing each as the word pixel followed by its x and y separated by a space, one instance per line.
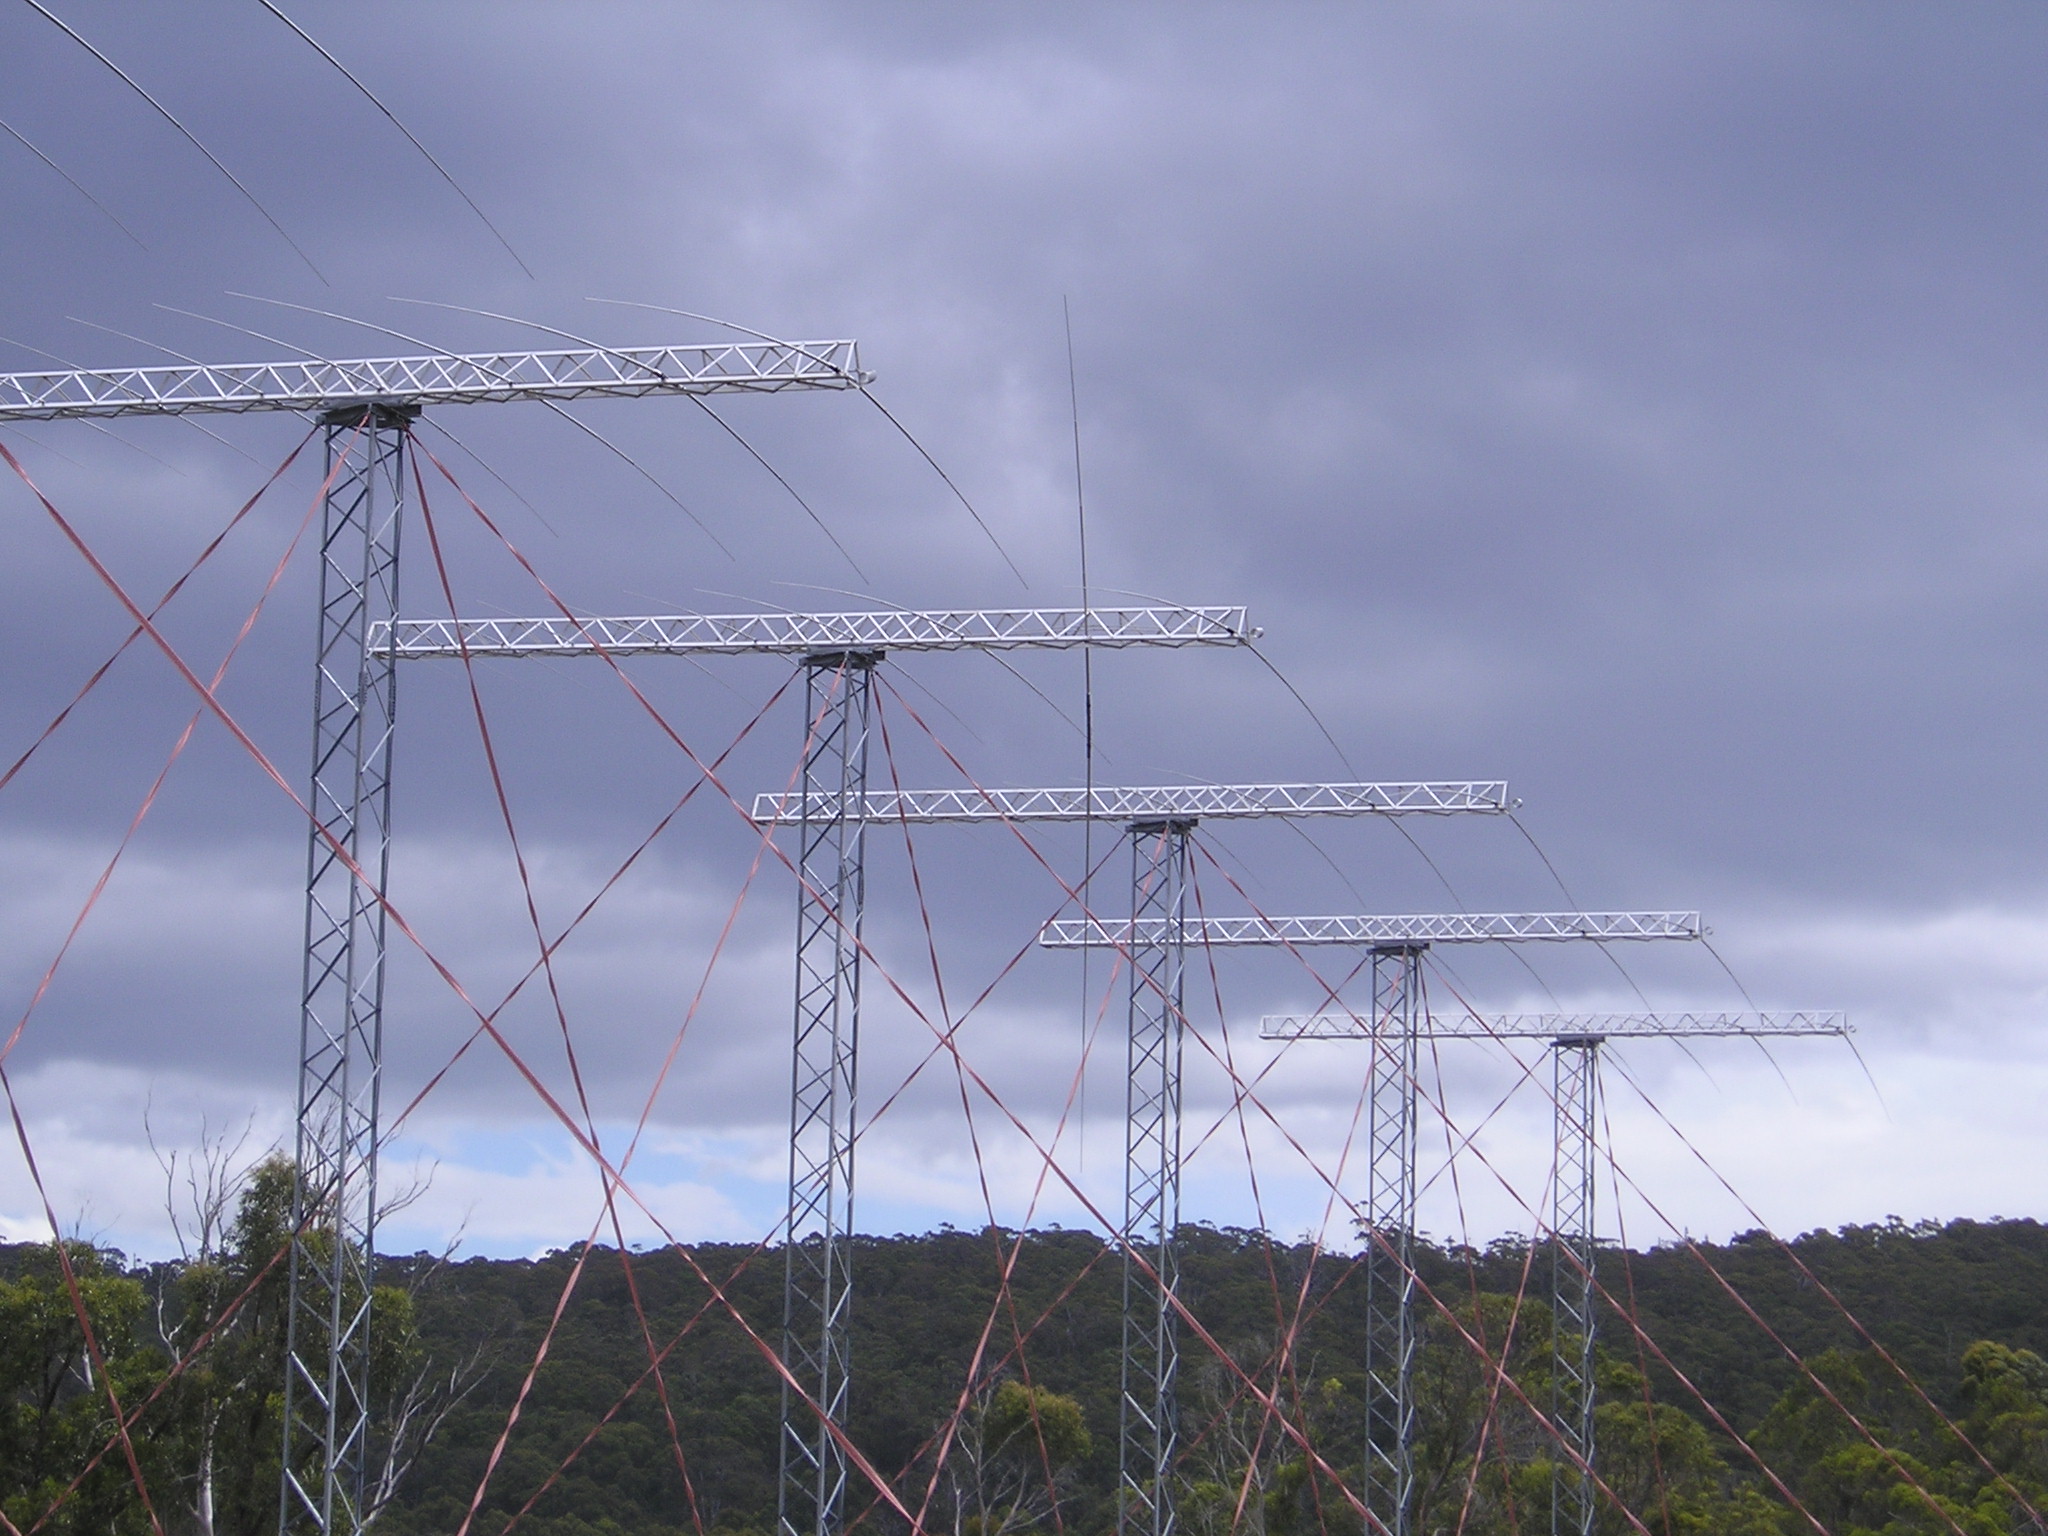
pixel 1639 403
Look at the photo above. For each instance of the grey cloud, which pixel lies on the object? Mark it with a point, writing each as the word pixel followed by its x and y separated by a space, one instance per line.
pixel 1639 404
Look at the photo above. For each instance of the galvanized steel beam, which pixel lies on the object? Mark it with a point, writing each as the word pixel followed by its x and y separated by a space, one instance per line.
pixel 1184 801
pixel 796 634
pixel 319 385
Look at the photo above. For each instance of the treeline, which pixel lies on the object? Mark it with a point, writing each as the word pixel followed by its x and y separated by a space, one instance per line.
pixel 1748 1338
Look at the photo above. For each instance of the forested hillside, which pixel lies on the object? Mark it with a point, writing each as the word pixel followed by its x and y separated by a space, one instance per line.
pixel 1964 1308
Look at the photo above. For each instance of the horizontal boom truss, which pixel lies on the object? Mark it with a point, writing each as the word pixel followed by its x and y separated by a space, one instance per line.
pixel 795 634
pixel 754 367
pixel 1170 802
pixel 1572 1026
pixel 1442 928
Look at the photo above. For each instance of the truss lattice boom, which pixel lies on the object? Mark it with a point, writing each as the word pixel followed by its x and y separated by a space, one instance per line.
pixel 1569 1026
pixel 793 634
pixel 1441 928
pixel 741 367
pixel 1168 802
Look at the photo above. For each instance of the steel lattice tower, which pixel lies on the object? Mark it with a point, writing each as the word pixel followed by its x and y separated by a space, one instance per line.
pixel 1398 1008
pixel 1575 1088
pixel 1575 1041
pixel 830 810
pixel 1148 1411
pixel 367 407
pixel 1159 821
pixel 341 1015
pixel 1398 1021
pixel 818 1231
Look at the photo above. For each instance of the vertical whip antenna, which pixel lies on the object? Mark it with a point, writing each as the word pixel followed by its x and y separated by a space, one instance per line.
pixel 1087 709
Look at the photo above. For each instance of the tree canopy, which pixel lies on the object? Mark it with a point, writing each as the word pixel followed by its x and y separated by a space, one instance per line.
pixel 1928 1414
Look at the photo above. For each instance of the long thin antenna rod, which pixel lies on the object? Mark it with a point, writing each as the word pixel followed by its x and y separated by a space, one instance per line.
pixel 725 426
pixel 76 185
pixel 190 137
pixel 636 367
pixel 1087 713
pixel 371 96
pixel 887 415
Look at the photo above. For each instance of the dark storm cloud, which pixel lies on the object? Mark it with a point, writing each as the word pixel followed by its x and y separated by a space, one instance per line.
pixel 1638 403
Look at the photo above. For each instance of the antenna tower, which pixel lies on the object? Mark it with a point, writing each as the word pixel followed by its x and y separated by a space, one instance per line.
pixel 1397 945
pixel 1575 1041
pixel 367 409
pixel 1159 821
pixel 838 652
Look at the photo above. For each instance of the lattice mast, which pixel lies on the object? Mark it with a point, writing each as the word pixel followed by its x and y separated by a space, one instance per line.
pixel 1575 1048
pixel 1389 1261
pixel 838 652
pixel 817 1232
pixel 1574 1393
pixel 1160 821
pixel 367 409
pixel 1399 1013
pixel 1575 1041
pixel 327 1405
pixel 1148 1399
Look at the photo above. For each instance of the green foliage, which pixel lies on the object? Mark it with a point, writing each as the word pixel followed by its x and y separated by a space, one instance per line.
pixel 1034 1425
pixel 57 1403
pixel 206 1439
pixel 233 1298
pixel 1014 1459
pixel 1272 1435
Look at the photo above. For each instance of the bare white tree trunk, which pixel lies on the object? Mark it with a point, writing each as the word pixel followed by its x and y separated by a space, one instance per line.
pixel 203 1499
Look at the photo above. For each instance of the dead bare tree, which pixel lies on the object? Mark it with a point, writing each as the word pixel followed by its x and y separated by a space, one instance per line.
pixel 229 1208
pixel 1014 1458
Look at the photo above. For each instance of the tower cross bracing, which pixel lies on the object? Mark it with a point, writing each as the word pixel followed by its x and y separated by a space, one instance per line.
pixel 817 1290
pixel 1574 1320
pixel 1148 1397
pixel 1575 1042
pixel 1398 1005
pixel 327 1416
pixel 367 409
pixel 838 652
pixel 1160 820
